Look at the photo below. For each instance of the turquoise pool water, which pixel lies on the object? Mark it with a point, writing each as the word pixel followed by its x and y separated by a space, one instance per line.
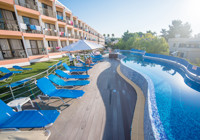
pixel 177 97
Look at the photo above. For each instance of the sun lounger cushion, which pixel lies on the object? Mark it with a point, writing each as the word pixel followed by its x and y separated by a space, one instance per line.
pixel 6 76
pixel 49 89
pixel 27 118
pixel 65 75
pixel 5 70
pixel 58 81
pixel 74 70
pixel 20 68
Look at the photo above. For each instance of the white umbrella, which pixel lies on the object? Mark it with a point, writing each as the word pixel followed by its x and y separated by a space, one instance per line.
pixel 81 45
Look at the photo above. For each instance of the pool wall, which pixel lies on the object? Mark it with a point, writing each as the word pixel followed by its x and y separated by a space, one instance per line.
pixel 152 125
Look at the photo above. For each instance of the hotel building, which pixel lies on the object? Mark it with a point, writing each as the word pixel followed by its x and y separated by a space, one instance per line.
pixel 34 30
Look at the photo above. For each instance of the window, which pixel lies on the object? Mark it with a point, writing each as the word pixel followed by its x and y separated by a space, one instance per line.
pixel 1 16
pixel 63 43
pixel 53 45
pixel 59 13
pixel 1 20
pixel 31 21
pixel 8 20
pixel 50 29
pixel 11 48
pixel 67 17
pixel 61 29
pixel 26 20
pixel 44 5
pixel 37 47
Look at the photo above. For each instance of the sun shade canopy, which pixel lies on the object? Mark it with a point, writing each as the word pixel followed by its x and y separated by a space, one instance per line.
pixel 81 45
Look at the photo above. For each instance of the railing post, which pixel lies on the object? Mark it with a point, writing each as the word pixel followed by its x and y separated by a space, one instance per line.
pixel 11 92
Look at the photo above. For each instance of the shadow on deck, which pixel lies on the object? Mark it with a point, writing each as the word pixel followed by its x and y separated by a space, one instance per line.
pixel 119 99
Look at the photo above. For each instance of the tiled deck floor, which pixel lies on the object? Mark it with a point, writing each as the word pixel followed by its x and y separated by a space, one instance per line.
pixel 104 112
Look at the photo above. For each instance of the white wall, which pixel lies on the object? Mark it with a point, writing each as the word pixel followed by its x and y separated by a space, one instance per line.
pixel 20 19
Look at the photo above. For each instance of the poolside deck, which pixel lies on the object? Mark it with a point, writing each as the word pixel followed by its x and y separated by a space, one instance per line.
pixel 104 112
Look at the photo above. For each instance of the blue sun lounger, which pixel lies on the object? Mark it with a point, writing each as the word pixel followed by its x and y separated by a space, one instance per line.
pixel 6 77
pixel 5 70
pixel 75 67
pixel 20 68
pixel 74 70
pixel 60 82
pixel 49 90
pixel 15 84
pixel 97 56
pixel 67 76
pixel 84 64
pixel 26 118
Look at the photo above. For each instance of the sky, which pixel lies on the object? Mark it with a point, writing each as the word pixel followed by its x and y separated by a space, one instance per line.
pixel 117 16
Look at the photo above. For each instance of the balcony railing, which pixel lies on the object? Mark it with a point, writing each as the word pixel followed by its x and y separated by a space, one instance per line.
pixel 29 4
pixel 70 36
pixel 31 28
pixel 36 51
pixel 62 34
pixel 53 49
pixel 77 37
pixel 48 12
pixel 50 33
pixel 69 22
pixel 10 54
pixel 9 25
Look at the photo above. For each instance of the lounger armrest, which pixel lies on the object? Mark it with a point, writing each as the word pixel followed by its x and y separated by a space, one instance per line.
pixel 48 125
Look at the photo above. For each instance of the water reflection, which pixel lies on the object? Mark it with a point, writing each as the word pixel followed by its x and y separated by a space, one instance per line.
pixel 177 96
pixel 171 69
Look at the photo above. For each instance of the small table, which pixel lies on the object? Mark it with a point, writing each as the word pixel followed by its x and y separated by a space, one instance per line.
pixel 19 102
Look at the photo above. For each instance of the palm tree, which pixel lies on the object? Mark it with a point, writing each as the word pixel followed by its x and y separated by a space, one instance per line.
pixel 104 35
pixel 113 35
pixel 108 35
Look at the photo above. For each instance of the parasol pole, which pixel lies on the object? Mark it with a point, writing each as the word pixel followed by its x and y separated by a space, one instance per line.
pixel 85 62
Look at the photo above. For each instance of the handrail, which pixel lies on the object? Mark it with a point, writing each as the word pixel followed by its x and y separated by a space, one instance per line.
pixel 29 86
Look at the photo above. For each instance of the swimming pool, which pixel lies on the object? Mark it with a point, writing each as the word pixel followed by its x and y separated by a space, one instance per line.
pixel 177 97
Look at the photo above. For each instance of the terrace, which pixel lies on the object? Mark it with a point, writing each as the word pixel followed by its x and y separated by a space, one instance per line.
pixel 102 113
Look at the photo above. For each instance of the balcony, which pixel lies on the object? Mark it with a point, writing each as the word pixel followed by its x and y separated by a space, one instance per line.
pixel 77 37
pixel 53 49
pixel 31 28
pixel 48 12
pixel 62 34
pixel 9 25
pixel 70 35
pixel 29 4
pixel 50 33
pixel 60 18
pixel 36 51
pixel 76 26
pixel 69 22
pixel 80 27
